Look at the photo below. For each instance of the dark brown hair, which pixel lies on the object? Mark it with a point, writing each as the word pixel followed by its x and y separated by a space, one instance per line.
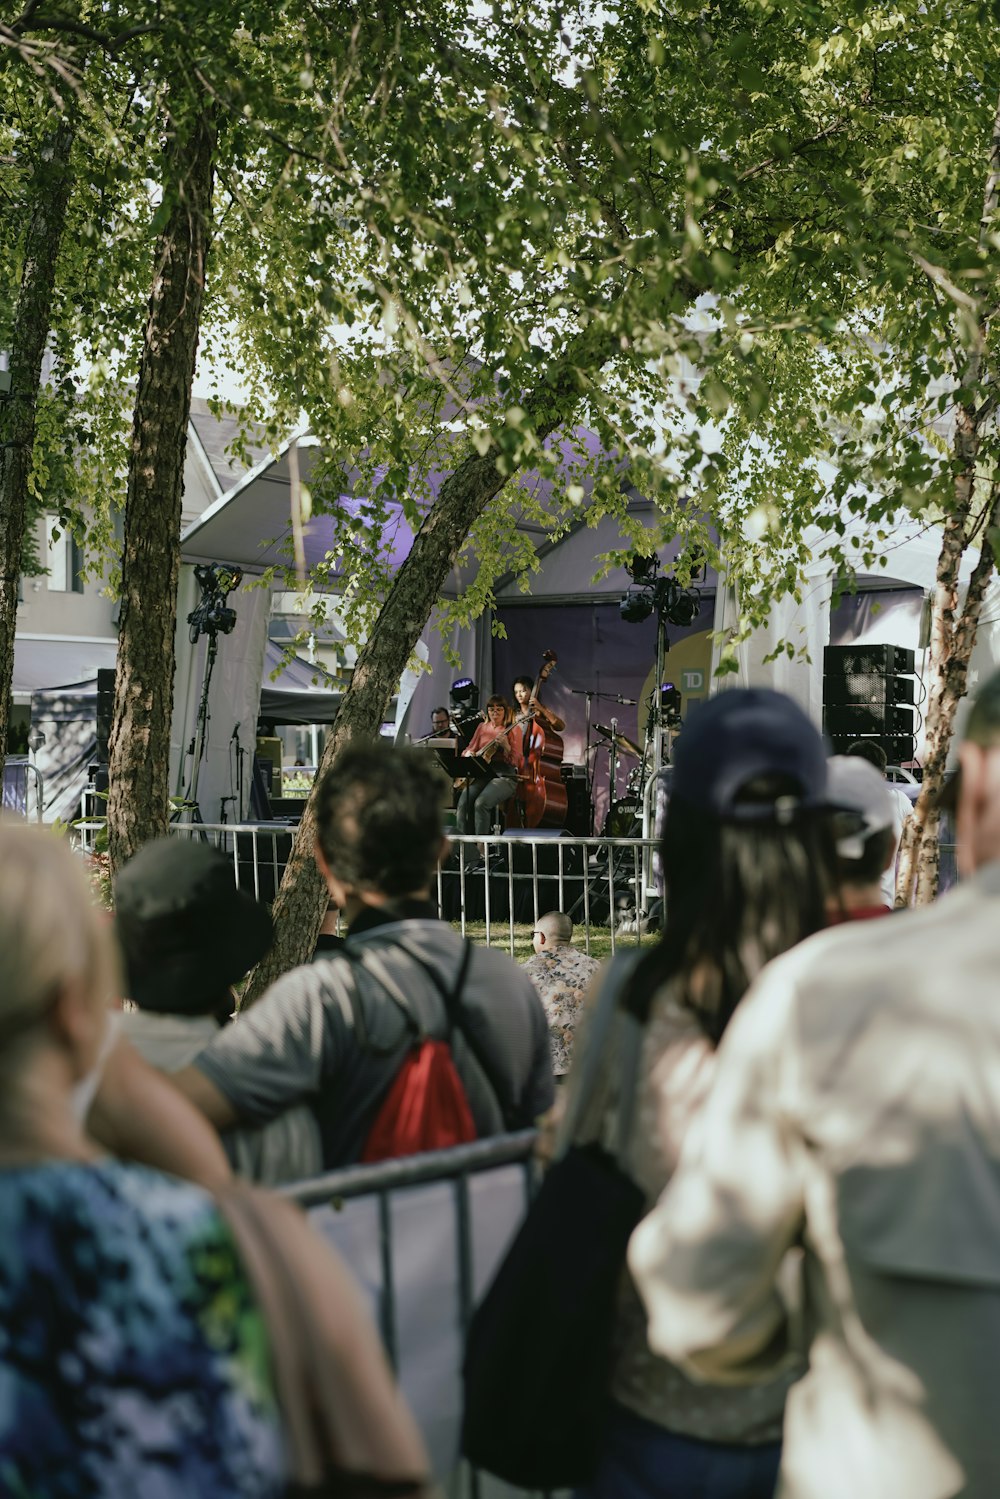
pixel 379 818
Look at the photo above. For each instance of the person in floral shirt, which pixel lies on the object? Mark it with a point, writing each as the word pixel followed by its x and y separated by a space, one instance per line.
pixel 560 974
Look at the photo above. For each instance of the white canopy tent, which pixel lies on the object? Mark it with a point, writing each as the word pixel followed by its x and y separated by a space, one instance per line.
pixel 250 527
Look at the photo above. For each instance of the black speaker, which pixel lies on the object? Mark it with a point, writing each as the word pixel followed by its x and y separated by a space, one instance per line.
pixel 578 809
pixel 883 660
pixel 868 693
pixel 900 749
pixel 867 718
pixel 868 688
pixel 105 710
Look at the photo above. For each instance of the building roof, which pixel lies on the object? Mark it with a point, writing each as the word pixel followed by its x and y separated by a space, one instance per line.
pixel 218 434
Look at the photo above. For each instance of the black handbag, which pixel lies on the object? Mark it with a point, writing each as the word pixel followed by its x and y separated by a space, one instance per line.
pixel 538 1355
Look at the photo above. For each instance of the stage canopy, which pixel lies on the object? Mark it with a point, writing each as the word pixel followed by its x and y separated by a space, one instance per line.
pixel 602 658
pixel 67 716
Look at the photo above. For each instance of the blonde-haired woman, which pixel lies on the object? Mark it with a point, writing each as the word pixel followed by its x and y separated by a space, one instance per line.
pixel 135 1358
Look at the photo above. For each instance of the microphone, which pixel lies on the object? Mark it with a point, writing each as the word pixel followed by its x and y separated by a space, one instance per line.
pixel 630 702
pixel 235 734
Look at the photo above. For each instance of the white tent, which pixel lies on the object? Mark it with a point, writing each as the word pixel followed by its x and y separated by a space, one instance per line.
pixel 251 527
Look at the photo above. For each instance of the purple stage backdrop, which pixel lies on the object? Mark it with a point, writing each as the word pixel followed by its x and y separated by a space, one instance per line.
pixel 601 653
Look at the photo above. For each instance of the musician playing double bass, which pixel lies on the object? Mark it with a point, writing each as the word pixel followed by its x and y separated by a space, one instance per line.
pixel 496 746
pixel 526 711
pixel 541 792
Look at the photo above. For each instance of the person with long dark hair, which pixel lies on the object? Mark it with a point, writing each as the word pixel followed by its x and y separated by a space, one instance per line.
pixel 855 1120
pixel 747 868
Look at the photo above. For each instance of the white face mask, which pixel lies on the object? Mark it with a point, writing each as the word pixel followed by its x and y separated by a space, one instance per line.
pixel 85 1090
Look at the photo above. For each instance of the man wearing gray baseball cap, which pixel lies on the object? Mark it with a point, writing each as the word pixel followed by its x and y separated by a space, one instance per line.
pixel 864 834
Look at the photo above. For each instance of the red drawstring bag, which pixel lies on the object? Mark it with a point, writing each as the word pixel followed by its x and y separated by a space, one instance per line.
pixel 425 1109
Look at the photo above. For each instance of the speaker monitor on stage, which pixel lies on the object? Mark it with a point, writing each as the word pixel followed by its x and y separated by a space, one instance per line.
pixel 868 689
pixel 857 719
pixel 871 660
pixel 579 816
pixel 868 692
pixel 900 749
pixel 105 711
pixel 268 752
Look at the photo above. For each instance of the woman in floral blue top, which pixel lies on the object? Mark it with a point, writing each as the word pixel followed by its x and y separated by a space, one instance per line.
pixel 133 1359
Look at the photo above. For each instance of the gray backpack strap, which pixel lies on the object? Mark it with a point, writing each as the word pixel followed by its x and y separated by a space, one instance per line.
pixel 395 993
pixel 451 997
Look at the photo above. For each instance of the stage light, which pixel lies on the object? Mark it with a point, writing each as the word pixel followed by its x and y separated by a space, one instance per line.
pixel 678 605
pixel 670 705
pixel 636 606
pixel 464 694
pixel 642 569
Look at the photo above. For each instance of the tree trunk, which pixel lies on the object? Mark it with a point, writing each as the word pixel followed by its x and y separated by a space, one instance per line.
pixel 50 190
pixel 138 797
pixel 301 900
pixel 953 629
pixel 953 636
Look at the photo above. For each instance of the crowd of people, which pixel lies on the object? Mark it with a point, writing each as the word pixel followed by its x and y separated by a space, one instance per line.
pixel 809 1300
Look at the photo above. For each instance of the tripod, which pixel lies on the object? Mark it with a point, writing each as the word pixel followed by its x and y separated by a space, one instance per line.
pixel 197 746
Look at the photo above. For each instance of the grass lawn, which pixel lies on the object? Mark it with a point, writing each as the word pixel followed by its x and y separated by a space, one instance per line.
pixel 600 938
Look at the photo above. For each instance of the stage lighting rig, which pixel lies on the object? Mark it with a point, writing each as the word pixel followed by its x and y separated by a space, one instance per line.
pixel 674 604
pixel 213 616
pixel 670 705
pixel 463 695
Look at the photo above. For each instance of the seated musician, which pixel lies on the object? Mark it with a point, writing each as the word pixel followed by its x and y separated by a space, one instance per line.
pixel 497 742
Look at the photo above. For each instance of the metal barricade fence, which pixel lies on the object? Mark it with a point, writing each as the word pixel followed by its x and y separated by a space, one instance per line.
pixel 424 1237
pixel 18 771
pixel 522 877
pixel 525 875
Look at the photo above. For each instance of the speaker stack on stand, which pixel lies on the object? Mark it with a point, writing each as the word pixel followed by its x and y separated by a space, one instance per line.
pixel 869 693
pixel 105 713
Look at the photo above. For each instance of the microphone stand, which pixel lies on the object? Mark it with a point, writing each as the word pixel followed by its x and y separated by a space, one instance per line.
pixel 612 697
pixel 589 694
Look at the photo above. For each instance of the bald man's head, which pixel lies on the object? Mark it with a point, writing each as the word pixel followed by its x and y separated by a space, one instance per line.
pixel 554 929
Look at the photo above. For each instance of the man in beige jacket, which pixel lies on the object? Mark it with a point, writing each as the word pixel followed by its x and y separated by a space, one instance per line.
pixel 856 1113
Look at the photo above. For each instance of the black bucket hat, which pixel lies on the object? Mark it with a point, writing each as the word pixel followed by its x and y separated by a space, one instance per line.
pixel 185 930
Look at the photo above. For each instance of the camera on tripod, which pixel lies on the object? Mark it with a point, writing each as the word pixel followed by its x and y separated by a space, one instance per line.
pixel 212 616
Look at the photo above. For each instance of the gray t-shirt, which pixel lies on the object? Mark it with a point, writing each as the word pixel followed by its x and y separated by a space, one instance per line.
pixel 301 1041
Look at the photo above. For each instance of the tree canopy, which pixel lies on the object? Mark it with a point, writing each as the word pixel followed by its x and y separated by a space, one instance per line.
pixel 446 237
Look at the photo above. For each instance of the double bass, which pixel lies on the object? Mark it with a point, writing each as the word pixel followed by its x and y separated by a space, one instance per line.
pixel 541 790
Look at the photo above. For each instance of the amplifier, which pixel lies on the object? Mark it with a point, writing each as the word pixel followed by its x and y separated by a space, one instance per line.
pixel 900 749
pixel 887 660
pixel 867 687
pixel 868 718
